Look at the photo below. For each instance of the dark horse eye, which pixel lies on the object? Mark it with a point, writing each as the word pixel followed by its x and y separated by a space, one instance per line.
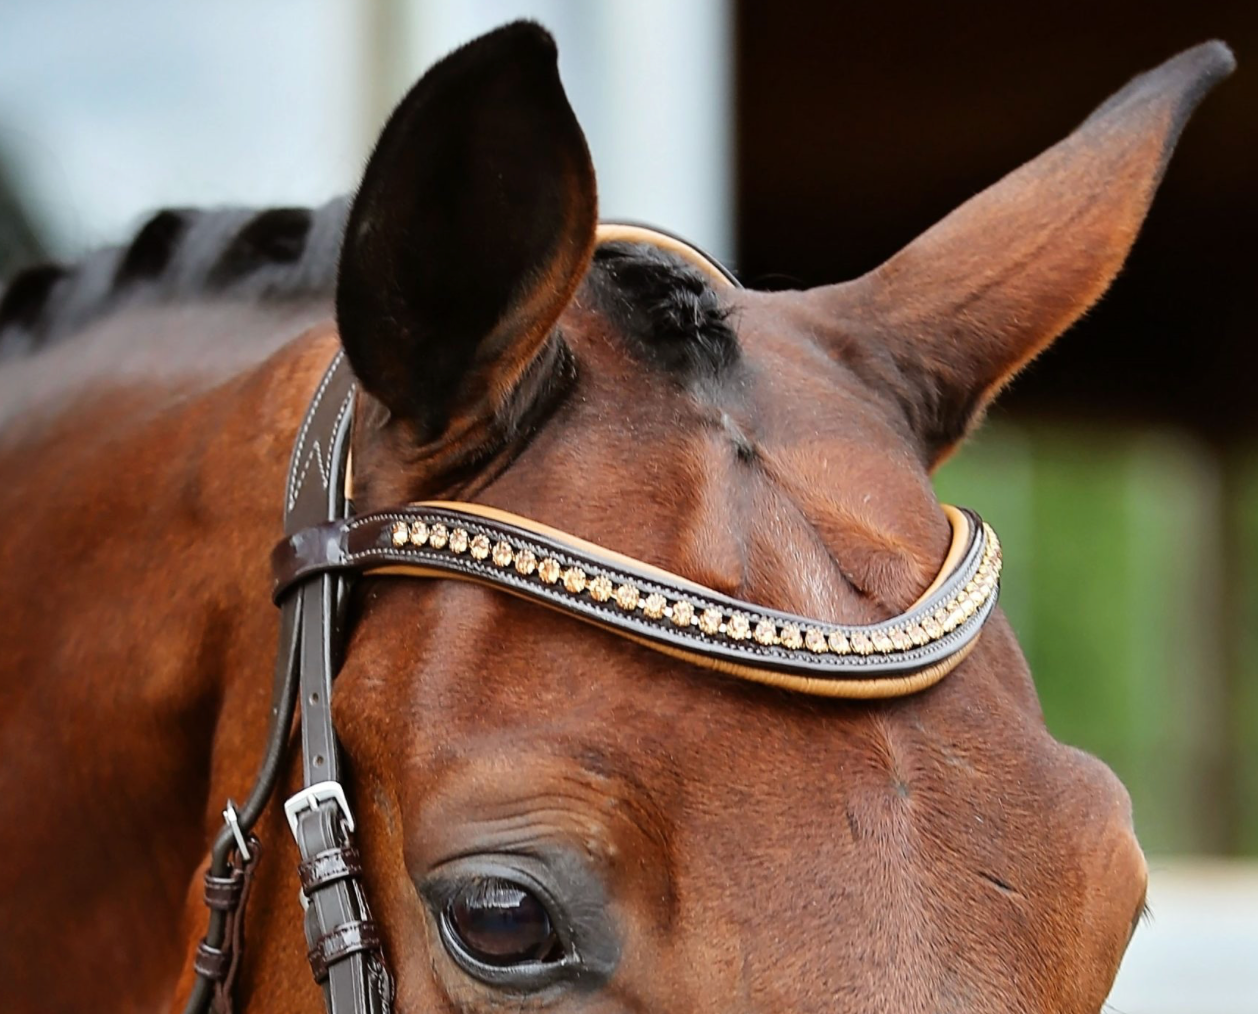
pixel 500 923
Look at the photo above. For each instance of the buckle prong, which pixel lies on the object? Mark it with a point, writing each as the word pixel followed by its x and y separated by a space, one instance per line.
pixel 310 797
pixel 232 819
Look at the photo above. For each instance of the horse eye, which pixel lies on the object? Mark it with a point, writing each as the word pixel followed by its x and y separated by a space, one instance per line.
pixel 502 924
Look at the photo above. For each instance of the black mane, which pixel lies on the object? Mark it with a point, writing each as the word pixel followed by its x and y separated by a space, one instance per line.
pixel 179 254
pixel 281 254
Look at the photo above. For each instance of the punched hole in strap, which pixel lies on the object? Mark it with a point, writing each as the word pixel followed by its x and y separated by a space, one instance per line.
pixel 344 941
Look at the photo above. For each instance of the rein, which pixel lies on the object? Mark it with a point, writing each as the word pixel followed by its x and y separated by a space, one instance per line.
pixel 326 543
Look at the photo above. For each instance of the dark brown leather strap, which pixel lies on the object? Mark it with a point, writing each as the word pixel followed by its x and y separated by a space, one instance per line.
pixel 347 939
pixel 223 893
pixel 228 895
pixel 224 854
pixel 355 980
pixel 328 867
pixel 212 962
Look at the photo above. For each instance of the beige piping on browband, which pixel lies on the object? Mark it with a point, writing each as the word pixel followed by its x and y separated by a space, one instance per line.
pixel 612 233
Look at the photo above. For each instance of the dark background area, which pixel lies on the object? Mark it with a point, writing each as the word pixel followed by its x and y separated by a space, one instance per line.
pixel 861 125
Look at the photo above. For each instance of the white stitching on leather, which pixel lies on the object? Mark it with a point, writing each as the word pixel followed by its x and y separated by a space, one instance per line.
pixel 297 481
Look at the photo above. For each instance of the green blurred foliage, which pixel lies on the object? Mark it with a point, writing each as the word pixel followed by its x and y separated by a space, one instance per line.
pixel 1130 574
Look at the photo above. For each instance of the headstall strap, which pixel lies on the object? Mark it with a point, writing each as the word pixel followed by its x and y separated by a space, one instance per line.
pixel 344 943
pixel 326 544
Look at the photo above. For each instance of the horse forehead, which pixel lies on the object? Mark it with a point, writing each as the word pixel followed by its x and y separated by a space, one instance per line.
pixel 459 671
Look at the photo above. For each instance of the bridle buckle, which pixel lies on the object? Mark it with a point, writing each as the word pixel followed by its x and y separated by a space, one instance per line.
pixel 310 797
pixel 232 820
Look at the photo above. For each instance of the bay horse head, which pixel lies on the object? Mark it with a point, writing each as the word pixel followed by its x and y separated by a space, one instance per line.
pixel 603 827
pixel 551 817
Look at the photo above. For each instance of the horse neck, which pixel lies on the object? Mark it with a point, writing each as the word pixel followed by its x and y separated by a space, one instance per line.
pixel 138 632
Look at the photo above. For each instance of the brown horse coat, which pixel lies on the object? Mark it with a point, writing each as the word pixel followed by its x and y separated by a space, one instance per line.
pixel 710 845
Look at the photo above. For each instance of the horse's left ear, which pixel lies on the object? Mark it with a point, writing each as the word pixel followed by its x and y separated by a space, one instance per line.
pixel 960 310
pixel 473 227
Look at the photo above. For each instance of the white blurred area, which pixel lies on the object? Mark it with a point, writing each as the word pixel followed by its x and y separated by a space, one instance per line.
pixel 1198 954
pixel 109 110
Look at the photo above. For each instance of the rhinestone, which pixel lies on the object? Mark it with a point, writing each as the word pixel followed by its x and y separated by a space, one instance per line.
pixel 479 547
pixel 861 644
pixel 917 635
pixel 601 588
pixel 526 562
pixel 654 605
pixel 882 642
pixel 932 627
pixel 574 580
pixel 838 643
pixel 502 554
pixel 401 533
pixel 968 609
pixel 766 632
pixel 549 570
pixel 955 619
pixel 683 613
pixel 438 536
pixel 900 640
pixel 739 627
pixel 418 534
pixel 627 597
pixel 791 637
pixel 941 616
pixel 458 541
pixel 815 640
pixel 710 621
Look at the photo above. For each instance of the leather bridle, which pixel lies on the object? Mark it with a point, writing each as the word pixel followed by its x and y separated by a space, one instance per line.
pixel 326 543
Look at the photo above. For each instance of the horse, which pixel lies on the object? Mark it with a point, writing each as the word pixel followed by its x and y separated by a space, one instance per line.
pixel 550 816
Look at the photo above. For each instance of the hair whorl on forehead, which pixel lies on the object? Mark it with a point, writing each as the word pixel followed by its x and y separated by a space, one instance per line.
pixel 668 305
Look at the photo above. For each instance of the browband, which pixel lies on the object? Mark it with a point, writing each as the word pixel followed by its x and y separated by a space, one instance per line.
pixel 662 610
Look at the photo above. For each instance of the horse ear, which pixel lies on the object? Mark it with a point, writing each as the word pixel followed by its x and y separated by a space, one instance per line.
pixel 473 227
pixel 955 314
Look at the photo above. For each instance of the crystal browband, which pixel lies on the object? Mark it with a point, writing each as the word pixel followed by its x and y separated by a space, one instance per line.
pixel 662 610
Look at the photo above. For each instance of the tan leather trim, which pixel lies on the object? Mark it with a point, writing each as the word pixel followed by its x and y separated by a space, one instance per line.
pixel 613 233
pixel 956 552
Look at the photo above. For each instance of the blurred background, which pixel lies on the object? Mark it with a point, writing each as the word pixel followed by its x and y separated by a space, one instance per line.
pixel 804 141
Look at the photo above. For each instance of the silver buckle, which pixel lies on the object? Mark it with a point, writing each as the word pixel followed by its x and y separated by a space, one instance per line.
pixel 233 821
pixel 310 797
